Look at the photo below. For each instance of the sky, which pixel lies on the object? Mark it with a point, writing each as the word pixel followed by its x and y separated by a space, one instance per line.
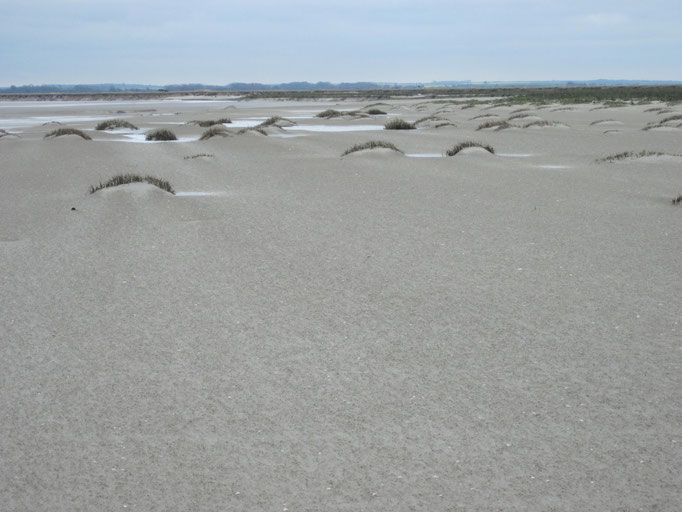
pixel 269 41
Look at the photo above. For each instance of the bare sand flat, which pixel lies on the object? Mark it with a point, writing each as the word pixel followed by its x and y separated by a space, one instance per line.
pixel 296 330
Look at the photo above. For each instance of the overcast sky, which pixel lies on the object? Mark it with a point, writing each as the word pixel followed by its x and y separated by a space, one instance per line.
pixel 271 41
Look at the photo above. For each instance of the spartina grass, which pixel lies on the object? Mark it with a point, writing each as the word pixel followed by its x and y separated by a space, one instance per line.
pixel 198 155
pixel 429 118
pixel 124 179
pixel 497 125
pixel 469 144
pixel 399 124
pixel 372 144
pixel 213 131
pixel 519 116
pixel 540 124
pixel 678 199
pixel 112 124
pixel 275 120
pixel 256 129
pixel 483 116
pixel 160 134
pixel 329 114
pixel 629 155
pixel 210 122
pixel 376 112
pixel 59 132
pixel 601 121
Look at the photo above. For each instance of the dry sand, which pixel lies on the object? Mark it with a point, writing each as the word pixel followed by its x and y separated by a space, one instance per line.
pixel 318 333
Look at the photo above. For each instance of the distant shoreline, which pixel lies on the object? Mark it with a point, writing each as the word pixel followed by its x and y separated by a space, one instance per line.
pixel 564 94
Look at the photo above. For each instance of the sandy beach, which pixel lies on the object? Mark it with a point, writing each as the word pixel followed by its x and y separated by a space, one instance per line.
pixel 304 331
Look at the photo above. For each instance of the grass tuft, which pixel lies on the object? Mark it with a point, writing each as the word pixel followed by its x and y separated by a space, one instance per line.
pixel 371 145
pixel 198 155
pixel 678 199
pixel 273 121
pixel 115 123
pixel 469 144
pixel 498 125
pixel 59 132
pixel 329 113
pixel 123 179
pixel 160 134
pixel 214 131
pixel 399 124
pixel 376 112
pixel 629 154
pixel 540 123
pixel 211 122
pixel 519 116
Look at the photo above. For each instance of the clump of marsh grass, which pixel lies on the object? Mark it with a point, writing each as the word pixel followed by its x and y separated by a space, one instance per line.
pixel 198 155
pixel 562 109
pixel 372 144
pixel 678 199
pixel 662 123
pixel 274 120
pixel 59 132
pixel 123 179
pixel 5 133
pixel 256 129
pixel 329 114
pixel 112 124
pixel 469 144
pixel 601 121
pixel 447 123
pixel 497 125
pixel 378 104
pixel 399 124
pixel 160 134
pixel 519 116
pixel 628 155
pixel 210 122
pixel 429 118
pixel 518 110
pixel 540 124
pixel 376 112
pixel 213 131
pixel 483 116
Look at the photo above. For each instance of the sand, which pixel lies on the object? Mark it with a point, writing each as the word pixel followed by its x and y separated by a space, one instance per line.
pixel 297 330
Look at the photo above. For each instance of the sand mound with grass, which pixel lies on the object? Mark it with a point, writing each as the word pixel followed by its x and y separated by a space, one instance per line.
pixel 608 122
pixel 379 153
pixel 475 151
pixel 136 190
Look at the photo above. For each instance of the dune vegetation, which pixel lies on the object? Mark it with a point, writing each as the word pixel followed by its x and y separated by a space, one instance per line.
pixel 112 124
pixel 124 179
pixel 399 124
pixel 60 132
pixel 372 144
pixel 469 144
pixel 160 134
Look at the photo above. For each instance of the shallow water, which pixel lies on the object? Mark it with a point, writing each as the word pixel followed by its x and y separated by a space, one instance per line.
pixel 199 194
pixel 515 155
pixel 553 166
pixel 327 128
pixel 139 138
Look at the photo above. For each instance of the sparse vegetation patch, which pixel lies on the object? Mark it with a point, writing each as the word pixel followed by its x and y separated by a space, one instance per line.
pixel 630 155
pixel 213 131
pixel 372 144
pixel 211 122
pixel 399 124
pixel 160 134
pixel 112 124
pixel 678 199
pixel 376 112
pixel 469 144
pixel 329 114
pixel 497 125
pixel 199 155
pixel 540 124
pixel 59 132
pixel 123 179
